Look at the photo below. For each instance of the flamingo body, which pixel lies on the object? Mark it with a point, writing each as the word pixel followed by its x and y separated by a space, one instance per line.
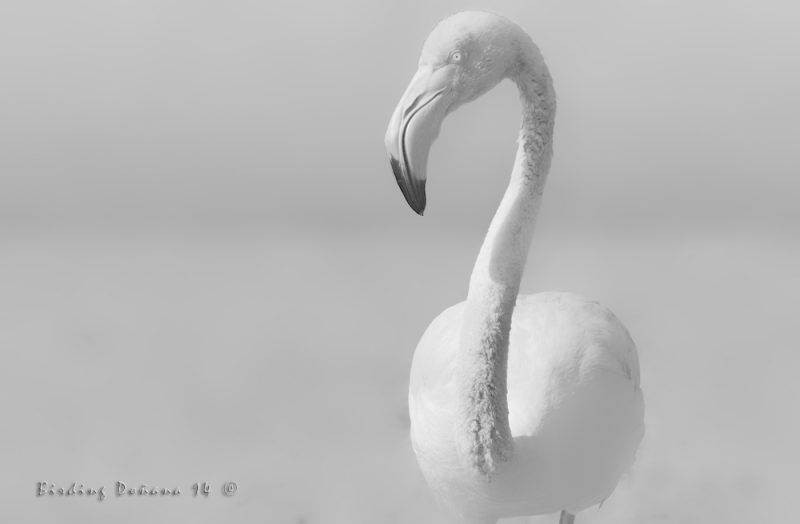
pixel 575 409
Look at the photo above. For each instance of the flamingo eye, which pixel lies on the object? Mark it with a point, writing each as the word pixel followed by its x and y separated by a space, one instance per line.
pixel 456 57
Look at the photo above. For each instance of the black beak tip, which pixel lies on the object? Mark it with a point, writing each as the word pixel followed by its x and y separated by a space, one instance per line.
pixel 419 202
pixel 413 191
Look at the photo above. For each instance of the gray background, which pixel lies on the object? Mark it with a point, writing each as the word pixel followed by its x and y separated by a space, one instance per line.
pixel 207 271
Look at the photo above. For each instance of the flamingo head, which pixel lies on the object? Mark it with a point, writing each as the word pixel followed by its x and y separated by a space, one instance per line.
pixel 465 56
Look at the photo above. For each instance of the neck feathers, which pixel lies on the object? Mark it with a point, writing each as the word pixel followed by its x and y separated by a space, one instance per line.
pixel 485 435
pixel 538 101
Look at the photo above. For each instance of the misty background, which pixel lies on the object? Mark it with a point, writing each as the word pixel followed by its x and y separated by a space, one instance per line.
pixel 207 272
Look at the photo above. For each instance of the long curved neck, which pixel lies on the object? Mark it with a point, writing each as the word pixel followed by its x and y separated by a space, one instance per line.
pixel 485 435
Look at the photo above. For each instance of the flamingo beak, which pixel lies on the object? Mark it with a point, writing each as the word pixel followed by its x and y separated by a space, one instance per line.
pixel 414 126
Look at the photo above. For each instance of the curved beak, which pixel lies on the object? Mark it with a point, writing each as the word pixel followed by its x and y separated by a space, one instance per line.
pixel 414 126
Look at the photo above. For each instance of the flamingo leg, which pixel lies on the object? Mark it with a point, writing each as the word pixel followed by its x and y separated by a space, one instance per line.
pixel 566 518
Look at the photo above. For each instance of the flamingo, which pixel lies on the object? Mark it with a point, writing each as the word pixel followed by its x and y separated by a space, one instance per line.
pixel 519 404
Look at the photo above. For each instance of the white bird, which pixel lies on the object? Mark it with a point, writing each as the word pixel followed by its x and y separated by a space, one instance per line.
pixel 519 405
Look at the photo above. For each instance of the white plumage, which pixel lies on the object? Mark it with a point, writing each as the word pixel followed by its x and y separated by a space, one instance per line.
pixel 574 402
